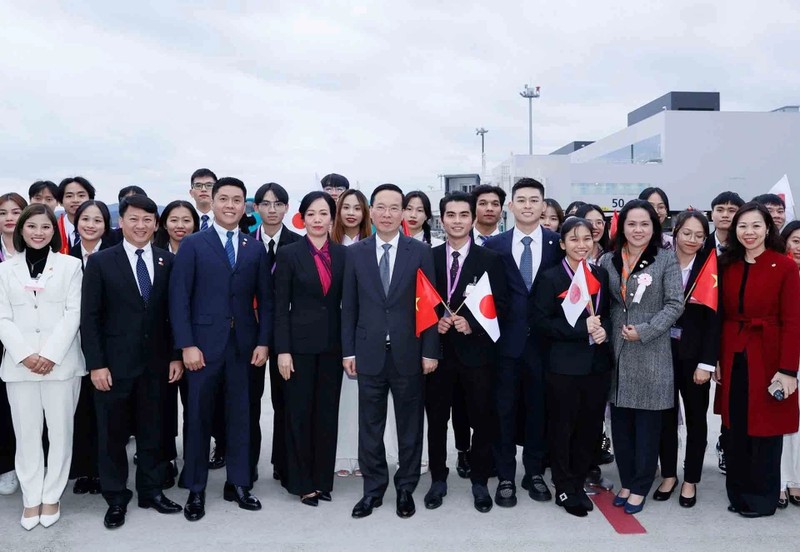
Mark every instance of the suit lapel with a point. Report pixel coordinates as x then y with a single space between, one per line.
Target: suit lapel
469 273
124 266
310 267
337 264
216 245
159 272
400 262
244 244
371 262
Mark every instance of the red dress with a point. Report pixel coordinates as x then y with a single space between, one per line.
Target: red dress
765 324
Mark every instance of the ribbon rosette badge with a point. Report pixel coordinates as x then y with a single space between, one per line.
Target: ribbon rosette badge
644 280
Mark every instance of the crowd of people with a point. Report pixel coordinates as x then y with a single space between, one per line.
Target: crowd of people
105 329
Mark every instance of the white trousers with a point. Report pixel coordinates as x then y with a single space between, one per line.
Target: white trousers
31 403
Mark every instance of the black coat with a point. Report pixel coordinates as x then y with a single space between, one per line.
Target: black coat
701 327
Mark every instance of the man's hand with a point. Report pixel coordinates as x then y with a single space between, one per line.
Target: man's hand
445 323
101 379
349 365
193 358
260 355
285 365
175 371
701 376
429 365
461 325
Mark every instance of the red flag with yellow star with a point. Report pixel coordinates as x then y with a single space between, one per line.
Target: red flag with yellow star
427 301
706 287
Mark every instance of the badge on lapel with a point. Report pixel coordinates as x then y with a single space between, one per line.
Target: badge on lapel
244 242
160 261
644 280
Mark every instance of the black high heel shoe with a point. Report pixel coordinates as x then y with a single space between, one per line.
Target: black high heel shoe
688 502
663 496
310 500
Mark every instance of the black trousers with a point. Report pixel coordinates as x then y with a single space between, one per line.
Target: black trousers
84 440
131 402
636 435
7 441
461 428
257 383
278 456
312 420
753 480
695 402
476 385
408 396
575 407
169 419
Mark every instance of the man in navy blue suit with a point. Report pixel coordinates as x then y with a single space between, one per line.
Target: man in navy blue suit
380 346
528 249
215 277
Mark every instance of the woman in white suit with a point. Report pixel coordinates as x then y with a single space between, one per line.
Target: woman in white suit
40 297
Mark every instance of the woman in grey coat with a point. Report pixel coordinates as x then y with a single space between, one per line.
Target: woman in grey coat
646 300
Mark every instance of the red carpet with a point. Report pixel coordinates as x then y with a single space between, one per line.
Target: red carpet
622 523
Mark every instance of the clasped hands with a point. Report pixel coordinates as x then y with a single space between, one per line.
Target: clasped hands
38 364
595 329
455 321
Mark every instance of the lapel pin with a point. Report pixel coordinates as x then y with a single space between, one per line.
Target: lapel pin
550 242
160 261
774 265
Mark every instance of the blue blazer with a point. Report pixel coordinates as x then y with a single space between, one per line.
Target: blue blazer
369 314
515 328
208 297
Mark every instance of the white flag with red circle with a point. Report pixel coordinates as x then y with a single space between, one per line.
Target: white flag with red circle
577 297
480 303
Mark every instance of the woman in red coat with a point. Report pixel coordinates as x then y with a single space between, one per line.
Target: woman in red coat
760 305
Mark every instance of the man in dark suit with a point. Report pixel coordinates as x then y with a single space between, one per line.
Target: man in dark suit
469 354
272 202
379 344
216 275
127 342
527 249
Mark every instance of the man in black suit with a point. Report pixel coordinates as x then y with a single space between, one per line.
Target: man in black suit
527 250
379 345
272 202
469 354
126 339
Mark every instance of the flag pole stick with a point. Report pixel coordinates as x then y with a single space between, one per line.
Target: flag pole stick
447 307
691 290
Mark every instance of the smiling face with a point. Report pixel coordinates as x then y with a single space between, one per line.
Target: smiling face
228 206
138 226
577 244
638 228
74 196
598 223
317 218
91 225
793 246
457 220
658 204
179 223
9 214
351 212
415 215
751 231
690 237
527 205
38 231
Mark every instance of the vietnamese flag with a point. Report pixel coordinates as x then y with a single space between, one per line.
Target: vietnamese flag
427 301
612 232
706 288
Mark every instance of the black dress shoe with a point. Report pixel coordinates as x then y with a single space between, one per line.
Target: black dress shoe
195 507
310 500
405 504
325 496
585 501
572 504
663 496
82 485
115 517
688 502
483 500
462 465
733 509
160 504
750 514
240 495
506 494
537 488
433 498
217 460
365 506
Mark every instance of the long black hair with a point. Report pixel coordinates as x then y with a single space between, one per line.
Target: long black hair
102 207
621 240
161 238
587 208
736 249
426 205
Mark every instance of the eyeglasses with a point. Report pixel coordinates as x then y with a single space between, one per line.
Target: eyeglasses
337 189
202 185
394 209
277 205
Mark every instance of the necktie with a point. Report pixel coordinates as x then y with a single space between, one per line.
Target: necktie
526 262
454 269
145 286
482 239
77 238
229 248
270 253
204 224
384 268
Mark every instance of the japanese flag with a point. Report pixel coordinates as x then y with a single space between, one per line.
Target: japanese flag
577 296
480 303
783 190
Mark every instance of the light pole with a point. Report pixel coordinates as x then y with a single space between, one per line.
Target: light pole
481 132
530 93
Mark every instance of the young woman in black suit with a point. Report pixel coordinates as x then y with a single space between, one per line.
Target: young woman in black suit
308 296
695 345
577 364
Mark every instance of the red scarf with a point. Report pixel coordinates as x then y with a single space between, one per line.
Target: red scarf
322 258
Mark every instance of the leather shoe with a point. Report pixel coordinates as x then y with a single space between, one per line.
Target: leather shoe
433 499
82 485
537 488
310 500
240 495
635 509
365 506
506 494
483 500
663 496
405 504
750 514
585 501
115 517
325 496
572 504
195 507
462 465
160 504
217 460
688 501
619 501
94 485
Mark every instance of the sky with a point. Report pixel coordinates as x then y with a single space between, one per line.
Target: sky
145 92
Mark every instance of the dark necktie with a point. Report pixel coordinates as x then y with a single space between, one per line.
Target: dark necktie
386 277
526 262
229 248
204 223
145 286
77 238
454 270
270 253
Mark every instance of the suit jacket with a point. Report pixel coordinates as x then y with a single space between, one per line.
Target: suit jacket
119 331
306 320
515 329
45 322
700 325
208 298
75 250
569 350
369 314
476 349
287 237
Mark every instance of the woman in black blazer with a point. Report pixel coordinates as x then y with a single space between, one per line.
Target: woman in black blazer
695 345
577 364
308 296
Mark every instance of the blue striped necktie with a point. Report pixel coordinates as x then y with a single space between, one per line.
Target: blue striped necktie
229 248
145 286
204 224
526 262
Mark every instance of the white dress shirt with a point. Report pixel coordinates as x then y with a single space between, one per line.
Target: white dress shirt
85 254
347 240
200 214
133 259
480 239
6 253
718 243
392 251
223 236
266 238
463 251
69 228
420 236
517 247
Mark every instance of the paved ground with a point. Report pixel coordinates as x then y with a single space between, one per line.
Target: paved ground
285 524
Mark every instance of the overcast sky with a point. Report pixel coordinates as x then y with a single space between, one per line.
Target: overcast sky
378 91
